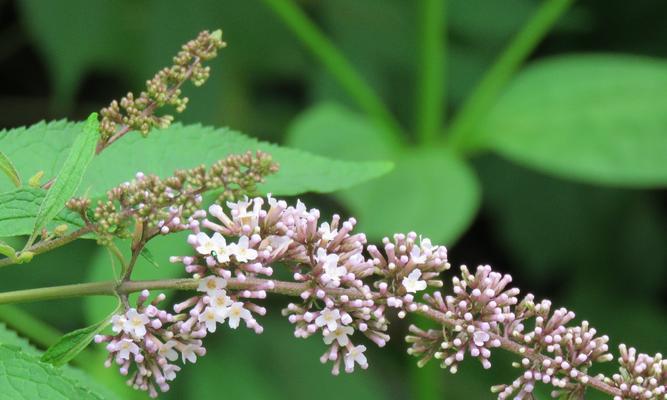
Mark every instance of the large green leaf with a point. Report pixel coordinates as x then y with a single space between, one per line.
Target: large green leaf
22 376
70 175
597 118
19 210
430 191
40 147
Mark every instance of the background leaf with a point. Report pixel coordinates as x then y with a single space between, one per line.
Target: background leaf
19 210
24 377
70 175
7 167
597 118
430 191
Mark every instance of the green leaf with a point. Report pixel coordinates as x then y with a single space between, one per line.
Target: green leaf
430 191
595 118
19 210
8 168
24 377
70 175
73 343
7 250
39 146
148 256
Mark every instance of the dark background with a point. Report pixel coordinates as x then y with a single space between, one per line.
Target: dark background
599 251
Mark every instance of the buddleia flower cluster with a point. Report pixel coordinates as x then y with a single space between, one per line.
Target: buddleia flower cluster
347 291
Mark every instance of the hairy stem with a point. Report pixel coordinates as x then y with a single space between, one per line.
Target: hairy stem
336 63
489 87
112 288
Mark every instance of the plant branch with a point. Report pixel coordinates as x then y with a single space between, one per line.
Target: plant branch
112 288
431 96
43 247
336 63
495 79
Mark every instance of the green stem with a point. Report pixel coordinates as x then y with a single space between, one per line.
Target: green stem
336 63
43 247
431 96
495 79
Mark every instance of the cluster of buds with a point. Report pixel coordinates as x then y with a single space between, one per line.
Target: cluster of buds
640 376
138 112
167 205
346 287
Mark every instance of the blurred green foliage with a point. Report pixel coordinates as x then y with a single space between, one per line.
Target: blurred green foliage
596 245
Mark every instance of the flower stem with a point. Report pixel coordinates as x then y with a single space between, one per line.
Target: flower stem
112 288
489 87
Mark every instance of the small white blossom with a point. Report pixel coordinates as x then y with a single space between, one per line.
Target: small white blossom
210 317
167 351
412 283
241 250
417 256
136 323
169 371
355 354
480 338
332 272
125 348
215 246
328 318
327 233
235 313
188 353
118 323
211 285
219 300
339 334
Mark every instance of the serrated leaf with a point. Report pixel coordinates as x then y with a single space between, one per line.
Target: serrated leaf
24 377
19 210
596 118
71 173
72 343
39 146
7 167
431 191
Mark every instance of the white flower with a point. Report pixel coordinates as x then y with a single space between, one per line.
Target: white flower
327 233
332 272
417 256
118 323
355 354
219 300
188 353
279 243
235 313
210 317
480 338
328 318
412 283
167 351
169 371
241 250
215 246
136 323
125 348
339 334
211 285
